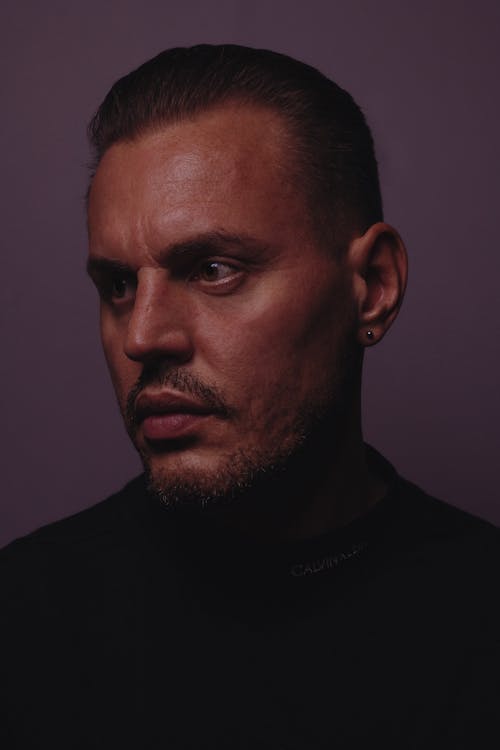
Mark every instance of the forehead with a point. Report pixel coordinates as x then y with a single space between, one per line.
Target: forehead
230 165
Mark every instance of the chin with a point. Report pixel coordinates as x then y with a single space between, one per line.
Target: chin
198 487
185 478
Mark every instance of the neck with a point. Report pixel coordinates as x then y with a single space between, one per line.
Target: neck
326 487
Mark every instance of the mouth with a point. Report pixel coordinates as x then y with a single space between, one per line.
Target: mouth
169 416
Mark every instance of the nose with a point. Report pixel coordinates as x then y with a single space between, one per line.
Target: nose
158 327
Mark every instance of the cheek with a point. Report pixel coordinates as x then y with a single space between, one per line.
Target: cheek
123 371
281 350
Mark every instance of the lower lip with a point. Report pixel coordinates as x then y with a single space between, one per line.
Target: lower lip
170 426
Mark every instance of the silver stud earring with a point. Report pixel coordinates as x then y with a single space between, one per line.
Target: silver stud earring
369 334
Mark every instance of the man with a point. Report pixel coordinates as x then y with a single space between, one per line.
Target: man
270 582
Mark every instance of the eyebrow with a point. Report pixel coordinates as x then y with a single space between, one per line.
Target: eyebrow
202 244
96 266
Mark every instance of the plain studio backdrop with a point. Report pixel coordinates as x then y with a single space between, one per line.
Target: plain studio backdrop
426 75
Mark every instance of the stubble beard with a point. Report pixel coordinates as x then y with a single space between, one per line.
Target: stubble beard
282 462
240 474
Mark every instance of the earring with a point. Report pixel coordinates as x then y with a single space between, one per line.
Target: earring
369 334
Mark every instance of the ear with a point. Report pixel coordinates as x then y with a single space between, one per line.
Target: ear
379 265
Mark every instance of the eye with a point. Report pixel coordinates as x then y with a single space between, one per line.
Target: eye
117 287
214 271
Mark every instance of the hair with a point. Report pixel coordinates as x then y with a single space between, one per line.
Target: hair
333 147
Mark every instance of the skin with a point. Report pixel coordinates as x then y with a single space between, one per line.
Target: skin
211 276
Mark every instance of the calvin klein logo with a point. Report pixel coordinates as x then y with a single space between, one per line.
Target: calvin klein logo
325 563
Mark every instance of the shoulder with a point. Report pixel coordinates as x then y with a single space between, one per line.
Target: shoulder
444 556
438 523
428 527
61 547
91 522
432 549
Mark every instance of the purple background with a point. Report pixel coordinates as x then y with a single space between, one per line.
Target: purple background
426 75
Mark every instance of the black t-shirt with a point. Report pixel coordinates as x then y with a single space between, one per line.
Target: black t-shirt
128 626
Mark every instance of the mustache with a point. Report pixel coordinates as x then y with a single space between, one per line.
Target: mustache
177 380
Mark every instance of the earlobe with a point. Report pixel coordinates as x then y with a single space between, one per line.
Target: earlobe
380 266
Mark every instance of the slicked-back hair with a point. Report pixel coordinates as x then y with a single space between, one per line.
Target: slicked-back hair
333 156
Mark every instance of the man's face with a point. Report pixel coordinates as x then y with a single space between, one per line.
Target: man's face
225 325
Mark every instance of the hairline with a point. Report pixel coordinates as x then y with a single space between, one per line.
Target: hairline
293 163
